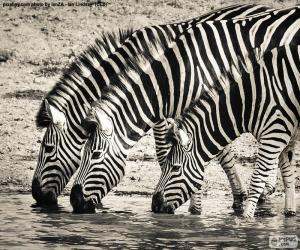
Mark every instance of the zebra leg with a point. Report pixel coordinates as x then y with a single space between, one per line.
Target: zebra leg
162 146
196 202
227 161
270 185
285 161
267 160
288 171
258 181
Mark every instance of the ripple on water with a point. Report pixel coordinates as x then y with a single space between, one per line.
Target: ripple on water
127 222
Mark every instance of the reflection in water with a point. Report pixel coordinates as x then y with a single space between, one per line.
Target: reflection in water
127 222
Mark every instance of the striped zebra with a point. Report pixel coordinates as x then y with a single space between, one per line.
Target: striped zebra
150 90
63 109
262 98
227 161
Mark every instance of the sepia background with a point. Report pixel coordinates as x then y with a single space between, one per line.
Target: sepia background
35 46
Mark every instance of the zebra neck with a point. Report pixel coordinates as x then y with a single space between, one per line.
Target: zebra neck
222 113
126 127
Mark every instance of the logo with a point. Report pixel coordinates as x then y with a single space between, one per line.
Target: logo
283 241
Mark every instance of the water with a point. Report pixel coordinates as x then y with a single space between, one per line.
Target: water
127 222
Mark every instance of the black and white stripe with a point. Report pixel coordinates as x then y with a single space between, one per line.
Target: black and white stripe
262 98
164 82
63 109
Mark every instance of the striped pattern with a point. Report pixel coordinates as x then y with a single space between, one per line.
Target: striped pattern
83 83
226 159
150 90
263 99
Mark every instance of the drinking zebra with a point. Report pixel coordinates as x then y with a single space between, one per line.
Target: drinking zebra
150 90
262 98
63 108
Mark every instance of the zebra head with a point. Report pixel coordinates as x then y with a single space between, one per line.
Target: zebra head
180 175
56 163
102 164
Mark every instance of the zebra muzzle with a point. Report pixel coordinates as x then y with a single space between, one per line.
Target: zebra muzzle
47 198
78 202
159 204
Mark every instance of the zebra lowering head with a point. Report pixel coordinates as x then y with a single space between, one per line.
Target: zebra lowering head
62 111
51 174
102 162
169 196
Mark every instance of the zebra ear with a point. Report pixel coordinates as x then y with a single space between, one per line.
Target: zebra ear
58 118
86 108
181 136
170 123
90 123
104 122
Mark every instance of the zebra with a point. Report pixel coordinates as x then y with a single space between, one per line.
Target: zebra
150 90
227 161
63 108
262 98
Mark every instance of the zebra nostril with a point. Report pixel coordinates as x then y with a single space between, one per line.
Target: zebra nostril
36 190
48 198
169 210
78 202
157 202
76 197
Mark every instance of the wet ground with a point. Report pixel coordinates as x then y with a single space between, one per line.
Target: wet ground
127 222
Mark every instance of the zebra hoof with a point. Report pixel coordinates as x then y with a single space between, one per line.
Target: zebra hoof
248 217
238 200
237 205
289 213
266 196
195 211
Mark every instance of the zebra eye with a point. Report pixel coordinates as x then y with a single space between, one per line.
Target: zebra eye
176 168
96 155
49 148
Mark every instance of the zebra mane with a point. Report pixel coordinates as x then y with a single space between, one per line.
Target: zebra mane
136 65
93 55
237 71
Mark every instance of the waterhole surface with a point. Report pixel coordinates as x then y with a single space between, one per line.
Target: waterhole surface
126 222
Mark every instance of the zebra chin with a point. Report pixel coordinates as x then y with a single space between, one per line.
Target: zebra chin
42 198
159 205
79 203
